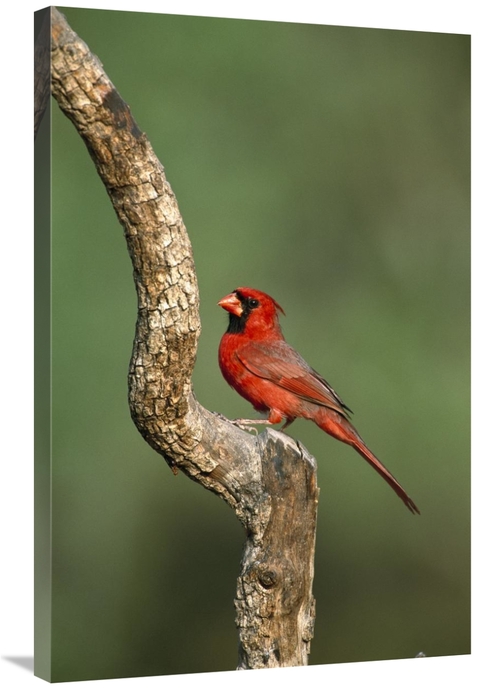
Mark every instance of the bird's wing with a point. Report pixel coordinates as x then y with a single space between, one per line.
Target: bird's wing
278 362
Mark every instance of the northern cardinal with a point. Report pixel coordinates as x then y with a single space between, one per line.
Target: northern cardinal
264 369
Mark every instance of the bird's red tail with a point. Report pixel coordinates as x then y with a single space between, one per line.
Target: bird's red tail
360 447
344 431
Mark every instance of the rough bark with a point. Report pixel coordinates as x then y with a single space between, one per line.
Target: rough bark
269 480
275 608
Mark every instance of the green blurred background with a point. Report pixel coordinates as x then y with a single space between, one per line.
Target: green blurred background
328 166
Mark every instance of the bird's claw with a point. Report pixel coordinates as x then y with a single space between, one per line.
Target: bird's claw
242 424
251 429
245 425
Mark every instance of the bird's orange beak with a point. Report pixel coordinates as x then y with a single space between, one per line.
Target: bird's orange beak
232 304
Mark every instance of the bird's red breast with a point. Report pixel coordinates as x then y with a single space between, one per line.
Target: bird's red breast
256 360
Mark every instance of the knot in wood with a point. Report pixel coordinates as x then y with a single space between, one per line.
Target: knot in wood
267 576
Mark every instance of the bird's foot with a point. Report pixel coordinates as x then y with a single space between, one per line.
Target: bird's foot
244 424
249 424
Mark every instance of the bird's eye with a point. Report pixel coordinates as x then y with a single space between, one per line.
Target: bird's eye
253 303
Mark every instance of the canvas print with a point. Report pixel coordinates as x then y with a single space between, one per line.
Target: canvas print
220 486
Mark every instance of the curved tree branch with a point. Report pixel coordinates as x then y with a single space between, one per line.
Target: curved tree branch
266 479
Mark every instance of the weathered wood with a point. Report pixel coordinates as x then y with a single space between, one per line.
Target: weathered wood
269 481
275 606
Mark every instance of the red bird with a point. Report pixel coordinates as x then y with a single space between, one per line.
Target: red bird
264 369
